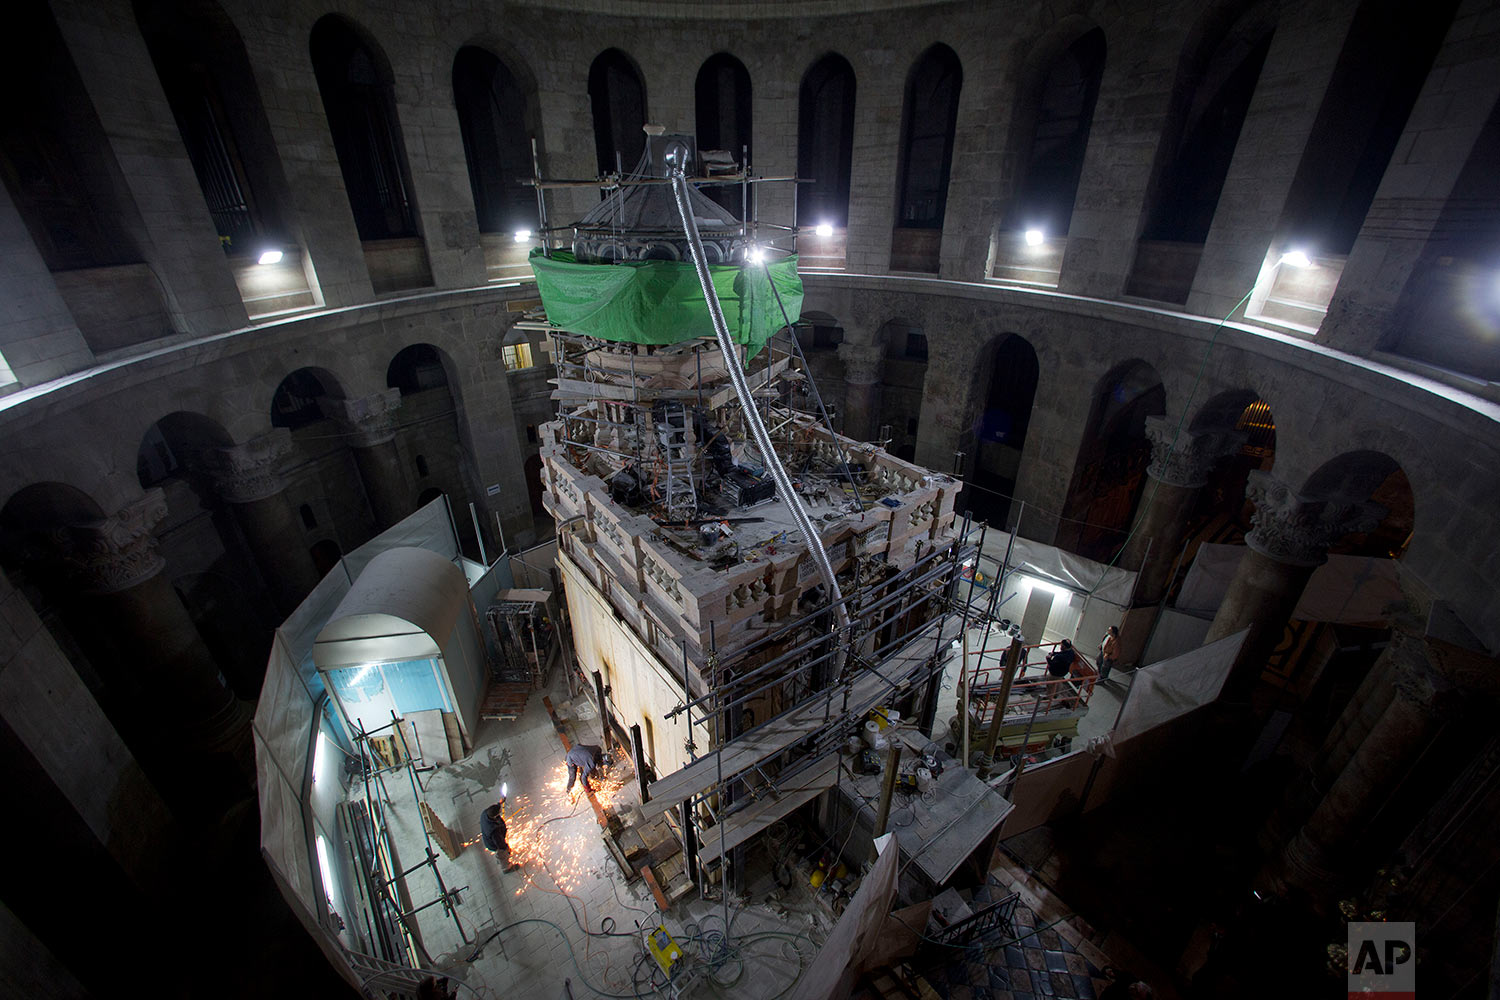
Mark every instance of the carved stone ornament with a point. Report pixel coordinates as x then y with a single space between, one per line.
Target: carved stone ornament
1297 530
1185 458
118 552
251 471
1419 676
367 421
862 362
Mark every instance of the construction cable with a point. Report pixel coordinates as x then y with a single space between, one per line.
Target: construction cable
751 414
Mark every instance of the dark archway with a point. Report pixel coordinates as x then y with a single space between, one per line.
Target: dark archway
825 142
722 114
497 123
206 76
617 96
1110 472
534 487
1373 476
928 122
1215 83
294 405
1061 112
903 377
1012 371
325 555
416 369
357 86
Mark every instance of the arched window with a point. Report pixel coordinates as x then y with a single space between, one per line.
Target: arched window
206 77
1064 110
1386 58
618 98
930 116
723 117
825 142
53 152
355 81
492 115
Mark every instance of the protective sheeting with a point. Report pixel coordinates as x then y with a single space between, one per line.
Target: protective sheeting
403 606
286 717
1344 589
1163 691
855 937
1048 791
1048 562
661 302
1175 632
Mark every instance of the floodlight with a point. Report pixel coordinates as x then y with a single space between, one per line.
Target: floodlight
1034 237
1296 258
270 257
522 235
824 229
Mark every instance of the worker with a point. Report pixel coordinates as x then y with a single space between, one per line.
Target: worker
1060 660
1109 652
584 758
492 833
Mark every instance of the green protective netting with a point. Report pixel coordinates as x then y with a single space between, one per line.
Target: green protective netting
661 302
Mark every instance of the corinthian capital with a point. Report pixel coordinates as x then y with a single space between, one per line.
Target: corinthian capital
1185 458
367 421
862 362
118 552
1296 529
251 471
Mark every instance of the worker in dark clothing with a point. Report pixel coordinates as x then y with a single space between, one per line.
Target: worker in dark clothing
585 759
1060 660
492 833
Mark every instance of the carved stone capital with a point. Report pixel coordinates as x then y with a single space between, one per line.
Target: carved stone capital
1419 677
1296 529
862 362
1185 458
367 421
251 471
118 552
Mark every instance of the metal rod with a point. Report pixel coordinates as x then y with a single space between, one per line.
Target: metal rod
474 516
603 711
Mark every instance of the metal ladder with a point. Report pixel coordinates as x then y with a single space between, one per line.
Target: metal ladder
675 434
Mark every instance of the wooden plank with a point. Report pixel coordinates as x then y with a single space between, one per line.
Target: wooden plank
661 897
439 831
753 819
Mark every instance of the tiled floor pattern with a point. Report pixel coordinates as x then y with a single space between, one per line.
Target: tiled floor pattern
1034 965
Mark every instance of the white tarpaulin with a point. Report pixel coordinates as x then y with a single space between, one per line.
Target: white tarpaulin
1084 576
1344 589
1165 690
835 970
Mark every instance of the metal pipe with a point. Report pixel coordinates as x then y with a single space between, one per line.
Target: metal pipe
484 556
747 402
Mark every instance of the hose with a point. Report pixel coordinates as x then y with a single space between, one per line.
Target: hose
752 415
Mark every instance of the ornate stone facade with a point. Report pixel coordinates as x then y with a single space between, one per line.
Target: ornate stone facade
1185 458
251 471
118 552
1296 529
367 421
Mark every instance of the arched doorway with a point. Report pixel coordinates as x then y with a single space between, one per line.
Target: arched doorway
999 430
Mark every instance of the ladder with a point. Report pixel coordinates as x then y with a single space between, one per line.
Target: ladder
675 434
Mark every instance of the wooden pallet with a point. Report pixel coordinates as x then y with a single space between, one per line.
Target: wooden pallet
504 701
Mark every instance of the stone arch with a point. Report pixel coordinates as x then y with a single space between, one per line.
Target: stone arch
1109 474
497 117
294 404
723 119
206 75
1004 390
617 98
1240 412
1375 477
1217 75
903 375
358 91
819 335
825 141
171 446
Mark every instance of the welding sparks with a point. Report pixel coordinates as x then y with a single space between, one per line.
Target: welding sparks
540 836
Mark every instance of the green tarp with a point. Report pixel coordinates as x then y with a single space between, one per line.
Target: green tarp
661 302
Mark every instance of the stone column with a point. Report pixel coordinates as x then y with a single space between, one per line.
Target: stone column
862 371
369 424
1290 539
1312 860
248 478
131 601
1180 464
